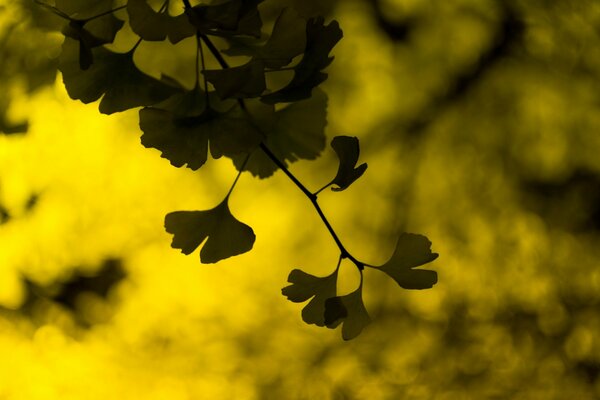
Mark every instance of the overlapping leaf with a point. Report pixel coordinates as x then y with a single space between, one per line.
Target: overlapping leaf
411 251
296 132
230 18
247 80
225 236
320 40
347 150
83 26
306 286
348 310
183 126
112 76
157 26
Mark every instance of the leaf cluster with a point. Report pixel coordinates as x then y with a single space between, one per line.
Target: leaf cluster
233 111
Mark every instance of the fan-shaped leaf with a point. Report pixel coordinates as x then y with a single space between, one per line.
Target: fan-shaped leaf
320 39
156 26
349 310
306 286
287 40
182 127
297 132
225 236
347 150
113 75
411 251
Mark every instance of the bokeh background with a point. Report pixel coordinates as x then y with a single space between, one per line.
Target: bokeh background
479 121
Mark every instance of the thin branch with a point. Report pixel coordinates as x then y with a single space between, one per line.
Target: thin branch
312 197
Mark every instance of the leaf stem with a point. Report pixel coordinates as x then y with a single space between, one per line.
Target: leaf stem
312 197
238 176
323 188
104 13
201 47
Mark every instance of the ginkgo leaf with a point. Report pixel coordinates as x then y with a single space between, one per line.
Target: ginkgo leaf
347 150
225 236
320 39
287 40
245 81
306 286
183 126
156 26
411 251
233 17
112 76
348 310
297 132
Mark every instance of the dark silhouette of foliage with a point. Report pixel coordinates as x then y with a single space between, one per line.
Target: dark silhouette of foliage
232 112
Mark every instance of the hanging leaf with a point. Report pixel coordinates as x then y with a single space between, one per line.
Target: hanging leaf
112 76
347 150
287 40
297 132
234 17
349 310
225 236
306 286
411 251
320 40
157 26
182 127
245 81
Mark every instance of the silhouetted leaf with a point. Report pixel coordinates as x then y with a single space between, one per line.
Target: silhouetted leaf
113 75
225 236
83 9
233 17
156 26
305 286
182 127
287 40
297 132
320 39
346 147
411 251
247 80
349 310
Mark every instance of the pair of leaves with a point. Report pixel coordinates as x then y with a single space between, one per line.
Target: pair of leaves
291 36
327 309
225 236
112 76
182 128
324 307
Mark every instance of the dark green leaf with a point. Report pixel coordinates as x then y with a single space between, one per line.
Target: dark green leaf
297 132
346 147
225 236
349 310
411 251
182 127
305 286
156 26
320 39
113 75
287 40
247 80
234 17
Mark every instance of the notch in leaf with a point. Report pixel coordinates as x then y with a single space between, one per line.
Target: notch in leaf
411 251
225 236
306 286
348 310
347 150
320 40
